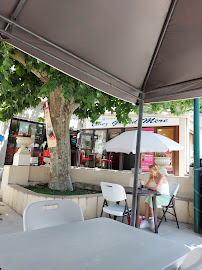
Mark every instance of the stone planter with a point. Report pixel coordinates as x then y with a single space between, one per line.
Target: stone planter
24 142
162 161
22 157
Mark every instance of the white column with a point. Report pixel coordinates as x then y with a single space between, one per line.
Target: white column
183 142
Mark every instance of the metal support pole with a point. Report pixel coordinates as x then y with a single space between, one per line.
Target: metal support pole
137 160
196 165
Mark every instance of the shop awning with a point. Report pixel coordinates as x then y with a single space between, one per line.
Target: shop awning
123 48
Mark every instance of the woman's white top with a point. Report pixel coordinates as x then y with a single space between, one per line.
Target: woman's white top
164 189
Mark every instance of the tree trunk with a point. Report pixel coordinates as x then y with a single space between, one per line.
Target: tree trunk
60 156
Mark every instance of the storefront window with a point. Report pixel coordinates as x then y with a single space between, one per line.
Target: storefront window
34 129
100 139
86 141
11 146
113 133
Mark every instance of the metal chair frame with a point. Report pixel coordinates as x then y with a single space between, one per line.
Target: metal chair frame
126 212
171 205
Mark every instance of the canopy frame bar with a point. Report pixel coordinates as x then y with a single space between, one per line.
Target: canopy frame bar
176 93
159 42
68 53
15 14
66 63
185 83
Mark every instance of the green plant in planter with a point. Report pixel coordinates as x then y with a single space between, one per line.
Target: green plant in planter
161 155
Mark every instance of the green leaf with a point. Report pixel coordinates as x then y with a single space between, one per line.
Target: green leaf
41 119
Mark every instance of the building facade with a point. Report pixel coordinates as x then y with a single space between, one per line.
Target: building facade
95 135
177 128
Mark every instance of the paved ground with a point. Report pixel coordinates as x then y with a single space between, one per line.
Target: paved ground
11 222
185 235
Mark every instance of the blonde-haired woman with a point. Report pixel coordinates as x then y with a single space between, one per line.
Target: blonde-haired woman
158 182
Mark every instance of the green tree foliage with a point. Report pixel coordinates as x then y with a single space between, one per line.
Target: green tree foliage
23 80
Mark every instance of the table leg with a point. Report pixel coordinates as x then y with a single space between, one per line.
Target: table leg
94 161
137 212
155 214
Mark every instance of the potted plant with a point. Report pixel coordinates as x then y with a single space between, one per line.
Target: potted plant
162 160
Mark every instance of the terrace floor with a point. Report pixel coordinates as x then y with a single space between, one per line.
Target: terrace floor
11 222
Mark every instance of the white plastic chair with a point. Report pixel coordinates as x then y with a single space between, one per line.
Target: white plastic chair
193 260
114 193
173 188
51 213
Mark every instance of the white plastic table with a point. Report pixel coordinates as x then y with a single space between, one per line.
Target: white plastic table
95 244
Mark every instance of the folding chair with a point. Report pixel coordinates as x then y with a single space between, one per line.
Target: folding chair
173 188
51 213
114 193
107 160
84 159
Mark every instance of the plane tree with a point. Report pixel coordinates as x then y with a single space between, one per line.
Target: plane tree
24 81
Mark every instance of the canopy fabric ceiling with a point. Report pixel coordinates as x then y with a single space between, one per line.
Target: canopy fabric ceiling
123 48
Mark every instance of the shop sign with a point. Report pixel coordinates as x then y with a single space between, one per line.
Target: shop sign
147 159
112 122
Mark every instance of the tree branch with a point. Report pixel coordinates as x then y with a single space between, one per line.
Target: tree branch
20 57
